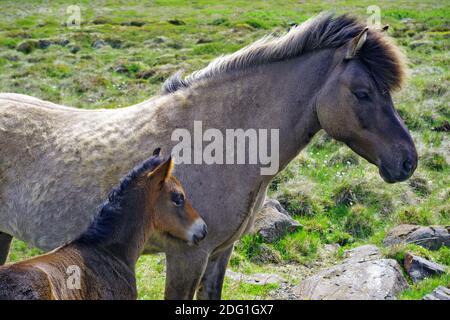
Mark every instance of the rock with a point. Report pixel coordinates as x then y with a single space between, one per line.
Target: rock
420 43
283 292
136 23
432 237
407 20
203 40
160 39
101 20
27 46
75 49
44 44
115 43
121 68
440 293
145 74
98 44
133 23
271 224
257 278
276 205
176 22
12 58
62 42
331 248
361 254
328 253
445 127
419 268
266 255
427 70
367 280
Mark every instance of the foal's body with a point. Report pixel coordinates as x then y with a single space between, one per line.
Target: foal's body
47 277
100 264
283 89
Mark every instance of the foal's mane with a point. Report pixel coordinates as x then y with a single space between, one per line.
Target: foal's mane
112 210
379 54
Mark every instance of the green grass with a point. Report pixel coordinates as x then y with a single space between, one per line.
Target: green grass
424 287
337 196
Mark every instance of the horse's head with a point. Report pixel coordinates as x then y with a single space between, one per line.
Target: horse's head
172 214
355 105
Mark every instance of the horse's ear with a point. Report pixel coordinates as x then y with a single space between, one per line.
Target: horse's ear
385 28
162 172
356 43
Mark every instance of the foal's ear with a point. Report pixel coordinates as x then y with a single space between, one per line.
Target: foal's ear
162 172
385 28
356 43
157 151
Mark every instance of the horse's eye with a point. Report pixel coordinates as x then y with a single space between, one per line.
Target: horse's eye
362 95
177 199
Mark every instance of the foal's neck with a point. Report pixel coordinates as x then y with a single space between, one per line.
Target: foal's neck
126 239
130 237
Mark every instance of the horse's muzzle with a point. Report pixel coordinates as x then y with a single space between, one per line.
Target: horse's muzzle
405 169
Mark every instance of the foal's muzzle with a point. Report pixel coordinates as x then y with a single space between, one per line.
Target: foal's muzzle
197 232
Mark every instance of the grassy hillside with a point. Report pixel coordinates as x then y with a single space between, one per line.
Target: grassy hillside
124 50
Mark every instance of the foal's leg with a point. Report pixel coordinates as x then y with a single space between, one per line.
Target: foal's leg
5 243
184 270
211 284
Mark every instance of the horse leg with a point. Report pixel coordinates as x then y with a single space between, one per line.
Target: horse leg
5 243
211 284
183 273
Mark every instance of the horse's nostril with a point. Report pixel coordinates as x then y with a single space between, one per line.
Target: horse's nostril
407 165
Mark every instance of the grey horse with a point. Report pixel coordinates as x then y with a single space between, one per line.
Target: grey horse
57 163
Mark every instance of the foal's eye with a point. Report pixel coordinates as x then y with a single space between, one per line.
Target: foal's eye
361 95
177 199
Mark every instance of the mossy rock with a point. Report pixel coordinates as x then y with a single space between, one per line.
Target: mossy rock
27 46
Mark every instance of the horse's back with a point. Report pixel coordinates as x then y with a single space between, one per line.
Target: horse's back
18 98
18 282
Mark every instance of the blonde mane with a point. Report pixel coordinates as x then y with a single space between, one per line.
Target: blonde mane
380 55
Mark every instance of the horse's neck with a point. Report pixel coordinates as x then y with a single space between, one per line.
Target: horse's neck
273 96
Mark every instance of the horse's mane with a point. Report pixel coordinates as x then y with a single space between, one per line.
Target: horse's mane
383 59
112 210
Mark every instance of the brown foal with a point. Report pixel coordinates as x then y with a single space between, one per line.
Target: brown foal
100 264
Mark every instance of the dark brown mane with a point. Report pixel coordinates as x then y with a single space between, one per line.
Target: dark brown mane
383 59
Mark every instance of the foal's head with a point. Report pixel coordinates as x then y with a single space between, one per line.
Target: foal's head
149 197
355 105
171 212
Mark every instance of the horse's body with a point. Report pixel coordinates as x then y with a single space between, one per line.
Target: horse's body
100 263
57 163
